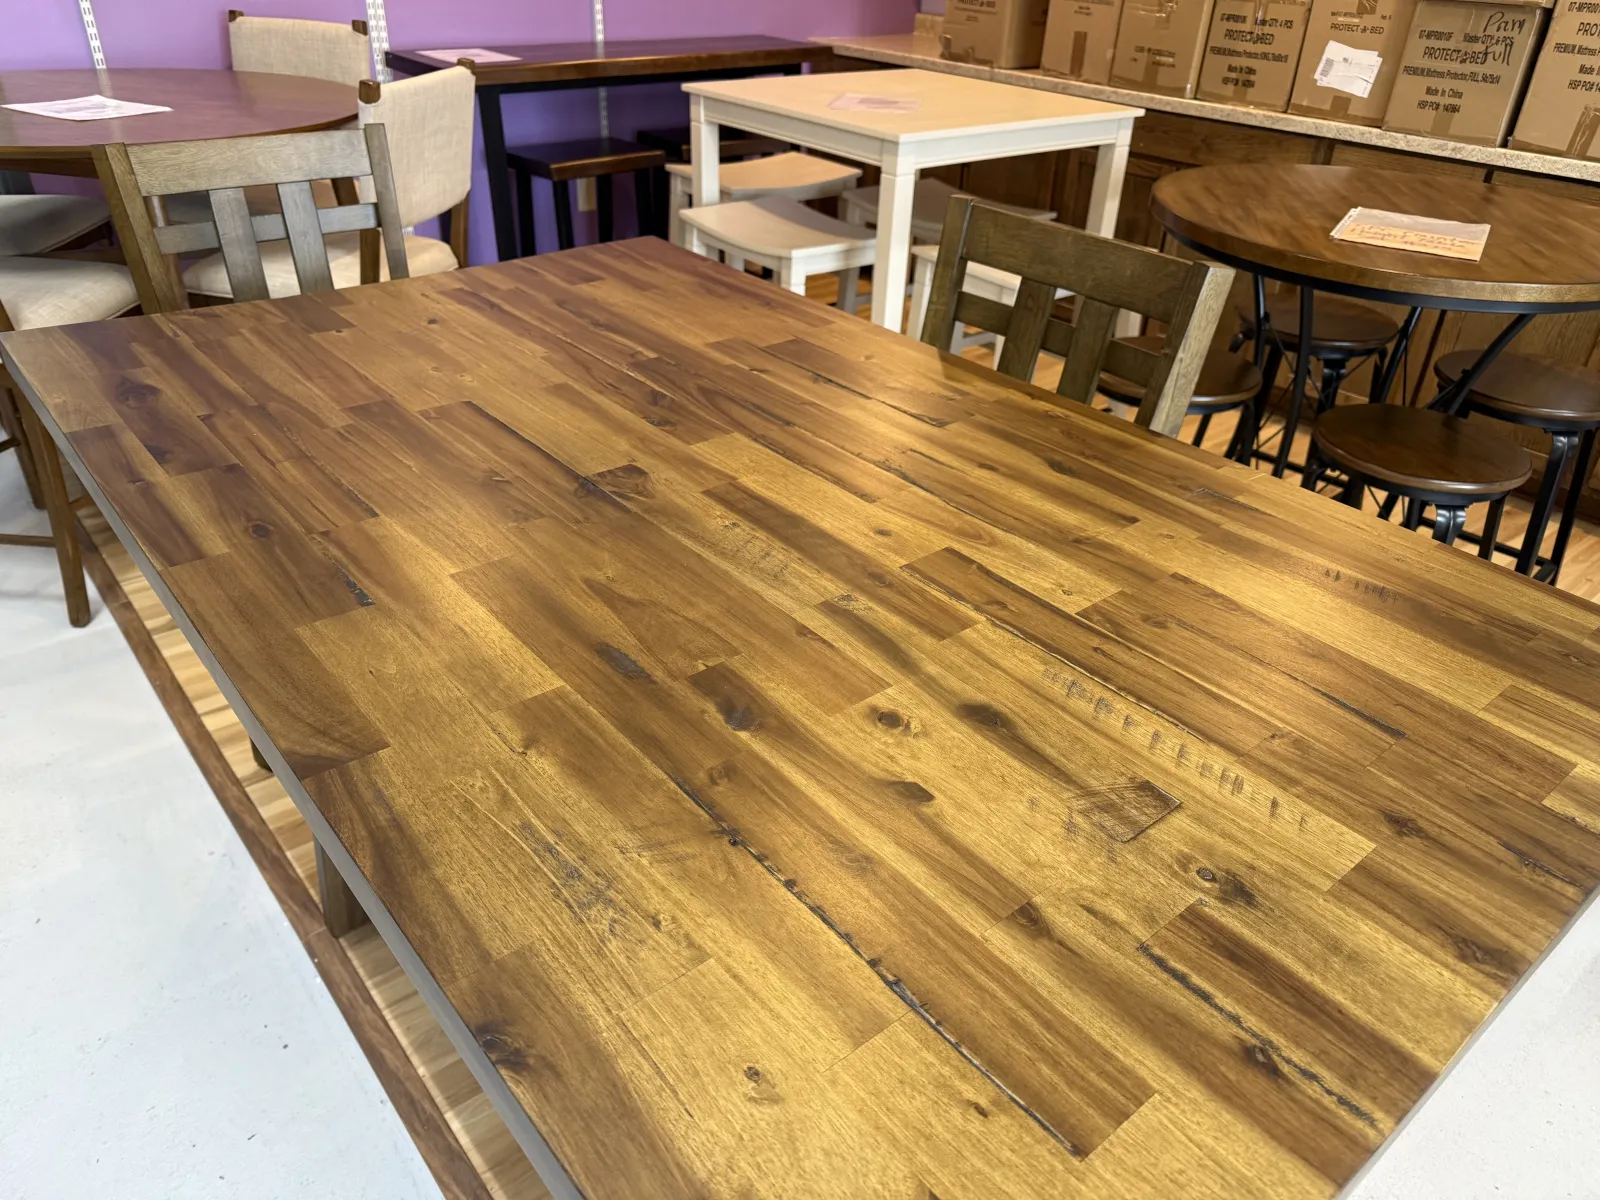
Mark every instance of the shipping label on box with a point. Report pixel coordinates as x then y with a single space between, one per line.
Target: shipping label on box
1159 44
1080 38
997 33
1351 59
1561 112
1463 69
1252 51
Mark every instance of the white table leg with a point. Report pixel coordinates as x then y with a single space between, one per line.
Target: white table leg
705 155
896 190
1105 200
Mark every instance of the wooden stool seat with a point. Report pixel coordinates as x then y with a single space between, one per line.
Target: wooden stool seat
792 174
1422 450
1347 328
736 143
781 234
586 158
1527 389
1226 381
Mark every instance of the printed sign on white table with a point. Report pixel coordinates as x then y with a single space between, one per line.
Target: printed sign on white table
87 108
1347 69
861 102
478 56
1406 231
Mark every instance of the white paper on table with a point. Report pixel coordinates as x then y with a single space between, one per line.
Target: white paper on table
87 108
860 102
1346 69
478 56
1406 231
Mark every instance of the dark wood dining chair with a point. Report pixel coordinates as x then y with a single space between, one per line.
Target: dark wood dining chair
223 168
1108 277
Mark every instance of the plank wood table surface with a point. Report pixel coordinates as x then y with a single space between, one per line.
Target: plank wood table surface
794 762
560 66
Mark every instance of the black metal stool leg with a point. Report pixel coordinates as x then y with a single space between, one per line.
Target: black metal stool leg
644 208
661 198
1244 438
562 191
1569 510
1332 380
1491 529
1447 523
1205 424
1561 446
606 201
1297 388
1354 490
1413 513
528 244
1312 475
1386 506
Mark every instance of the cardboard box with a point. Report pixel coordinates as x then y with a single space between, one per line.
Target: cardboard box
1252 52
1462 70
1080 39
1371 26
997 33
1159 45
1561 112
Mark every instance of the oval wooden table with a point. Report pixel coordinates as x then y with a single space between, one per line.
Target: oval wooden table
205 104
1275 220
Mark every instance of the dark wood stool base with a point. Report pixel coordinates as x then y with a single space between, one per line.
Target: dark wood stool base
600 159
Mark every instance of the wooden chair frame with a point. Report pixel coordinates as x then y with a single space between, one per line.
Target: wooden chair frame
453 221
1108 277
137 177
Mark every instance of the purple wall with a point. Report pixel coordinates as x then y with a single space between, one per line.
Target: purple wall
42 34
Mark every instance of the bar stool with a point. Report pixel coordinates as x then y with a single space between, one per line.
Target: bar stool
1423 457
1344 332
780 233
1227 381
792 174
590 158
929 201
1563 401
674 143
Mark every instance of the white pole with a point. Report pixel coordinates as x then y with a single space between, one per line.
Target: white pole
599 48
378 34
92 32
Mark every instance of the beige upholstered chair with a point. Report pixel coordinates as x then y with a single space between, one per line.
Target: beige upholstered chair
428 121
254 252
314 49
34 224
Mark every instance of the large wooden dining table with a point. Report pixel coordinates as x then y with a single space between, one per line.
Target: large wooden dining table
792 761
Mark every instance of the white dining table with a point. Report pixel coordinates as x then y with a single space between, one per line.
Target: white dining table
903 122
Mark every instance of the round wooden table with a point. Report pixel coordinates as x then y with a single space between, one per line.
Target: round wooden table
1275 220
205 104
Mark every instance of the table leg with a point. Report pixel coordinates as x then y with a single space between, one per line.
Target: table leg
63 525
1297 389
341 911
494 158
1105 201
1453 398
896 191
705 156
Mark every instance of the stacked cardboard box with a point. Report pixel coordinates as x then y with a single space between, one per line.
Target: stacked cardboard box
1463 68
997 33
1561 112
1351 59
1159 45
1081 37
1252 52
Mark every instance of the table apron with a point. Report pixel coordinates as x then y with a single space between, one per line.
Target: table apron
940 151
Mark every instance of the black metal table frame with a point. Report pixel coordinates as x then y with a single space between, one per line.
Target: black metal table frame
492 117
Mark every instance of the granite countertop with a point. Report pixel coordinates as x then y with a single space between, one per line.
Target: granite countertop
921 49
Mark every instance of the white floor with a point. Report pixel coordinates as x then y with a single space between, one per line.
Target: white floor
162 1033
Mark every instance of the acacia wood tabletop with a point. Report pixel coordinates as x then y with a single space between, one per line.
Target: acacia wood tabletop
811 765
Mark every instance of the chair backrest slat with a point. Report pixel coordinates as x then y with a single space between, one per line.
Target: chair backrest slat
1107 277
224 168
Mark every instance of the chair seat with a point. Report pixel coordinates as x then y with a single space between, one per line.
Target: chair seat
928 204
424 256
798 176
1422 450
1342 327
42 292
736 143
1525 387
586 158
776 227
33 224
1226 380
